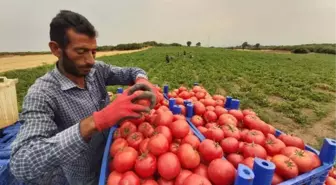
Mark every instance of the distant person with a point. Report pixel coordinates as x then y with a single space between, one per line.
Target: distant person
66 113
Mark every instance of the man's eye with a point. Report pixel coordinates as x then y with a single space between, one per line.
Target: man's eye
80 51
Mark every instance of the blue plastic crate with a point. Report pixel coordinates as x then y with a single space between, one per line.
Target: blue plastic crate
314 177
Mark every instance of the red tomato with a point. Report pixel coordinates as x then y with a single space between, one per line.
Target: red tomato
201 170
211 124
193 99
238 114
184 174
165 131
195 179
188 157
158 144
114 178
264 128
145 165
332 172
211 108
196 88
129 178
249 112
163 118
199 108
178 116
117 134
230 145
142 118
125 159
146 129
182 88
221 172
210 150
117 145
226 119
209 102
292 141
251 121
210 116
277 179
219 110
192 140
169 166
179 101
127 128
285 167
271 129
249 162
183 110
149 182
135 139
197 120
254 150
235 159
243 133
220 103
214 133
184 95
218 97
200 95
273 145
330 181
143 146
174 147
255 136
202 129
241 145
179 128
289 150
163 181
303 160
231 131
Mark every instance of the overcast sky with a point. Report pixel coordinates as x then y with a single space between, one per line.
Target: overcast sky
24 24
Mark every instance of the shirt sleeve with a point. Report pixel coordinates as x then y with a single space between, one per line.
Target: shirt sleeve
115 75
39 148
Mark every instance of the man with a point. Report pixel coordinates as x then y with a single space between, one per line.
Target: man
67 112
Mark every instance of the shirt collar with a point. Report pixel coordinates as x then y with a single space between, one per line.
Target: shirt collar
66 83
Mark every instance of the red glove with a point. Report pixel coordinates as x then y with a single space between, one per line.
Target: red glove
153 88
124 107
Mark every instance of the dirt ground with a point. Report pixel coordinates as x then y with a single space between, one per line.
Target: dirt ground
8 63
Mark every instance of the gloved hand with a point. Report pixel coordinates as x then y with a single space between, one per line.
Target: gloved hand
146 82
124 107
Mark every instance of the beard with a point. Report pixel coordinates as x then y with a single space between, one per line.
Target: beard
70 66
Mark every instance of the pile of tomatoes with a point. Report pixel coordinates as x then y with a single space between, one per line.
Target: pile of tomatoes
331 178
242 135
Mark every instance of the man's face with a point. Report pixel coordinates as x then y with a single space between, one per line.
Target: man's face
79 55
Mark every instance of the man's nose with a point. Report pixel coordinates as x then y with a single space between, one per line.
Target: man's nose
90 58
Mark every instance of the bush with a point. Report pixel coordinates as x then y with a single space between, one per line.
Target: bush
301 50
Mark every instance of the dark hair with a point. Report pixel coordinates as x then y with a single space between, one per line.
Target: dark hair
65 20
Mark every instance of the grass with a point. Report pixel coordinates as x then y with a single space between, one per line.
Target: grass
295 82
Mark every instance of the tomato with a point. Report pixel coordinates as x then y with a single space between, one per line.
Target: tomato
117 134
210 150
178 116
277 179
199 108
210 116
238 114
127 128
179 101
145 165
195 179
149 182
188 157
218 97
230 145
264 128
292 141
179 128
211 124
193 99
158 144
235 159
271 129
231 131
202 129
114 178
251 121
211 108
143 146
182 88
268 158
192 140
183 110
273 145
164 118
146 129
255 136
196 88
285 167
135 139
221 172
117 145
163 181
219 110
200 95
254 150
174 147
243 133
209 102
289 150
330 181
332 172
184 174
184 95
214 133
165 131
241 145
225 119
125 159
201 170
129 178
303 160
249 162
169 166
248 112
220 103
197 120
142 118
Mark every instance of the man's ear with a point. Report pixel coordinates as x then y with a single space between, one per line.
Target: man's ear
55 49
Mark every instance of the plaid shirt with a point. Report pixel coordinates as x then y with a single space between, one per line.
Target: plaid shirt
49 148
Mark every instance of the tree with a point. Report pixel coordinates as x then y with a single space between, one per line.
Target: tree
244 45
257 46
198 44
189 43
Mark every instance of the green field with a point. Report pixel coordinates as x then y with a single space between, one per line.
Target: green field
291 91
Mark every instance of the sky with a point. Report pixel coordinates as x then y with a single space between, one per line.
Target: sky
24 24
